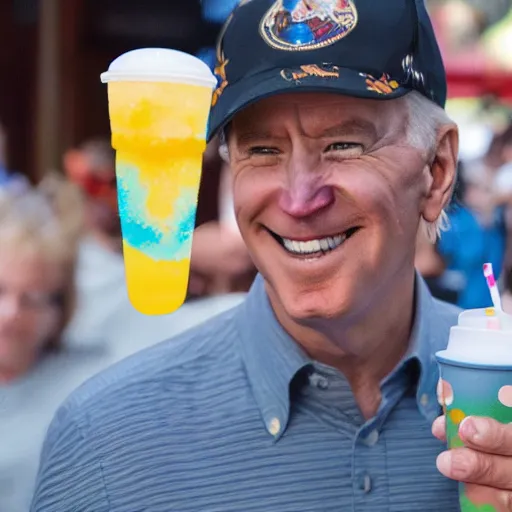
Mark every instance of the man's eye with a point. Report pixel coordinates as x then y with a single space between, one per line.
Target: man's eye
263 150
342 146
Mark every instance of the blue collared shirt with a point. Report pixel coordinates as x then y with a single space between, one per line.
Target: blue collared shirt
233 416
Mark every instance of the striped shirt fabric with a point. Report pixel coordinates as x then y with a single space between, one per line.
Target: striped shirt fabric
232 416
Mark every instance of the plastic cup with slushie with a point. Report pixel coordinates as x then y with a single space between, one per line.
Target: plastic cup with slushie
159 104
476 380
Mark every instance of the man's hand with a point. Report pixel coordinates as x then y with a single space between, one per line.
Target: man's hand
485 462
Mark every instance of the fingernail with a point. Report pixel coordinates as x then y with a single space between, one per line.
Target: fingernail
473 429
444 463
455 464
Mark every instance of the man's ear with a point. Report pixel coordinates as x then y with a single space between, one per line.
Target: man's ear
443 173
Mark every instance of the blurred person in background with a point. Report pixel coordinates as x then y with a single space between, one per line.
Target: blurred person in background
104 312
100 279
221 270
91 166
219 257
475 234
499 160
39 231
431 266
220 262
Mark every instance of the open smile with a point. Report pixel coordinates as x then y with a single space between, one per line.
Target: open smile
314 248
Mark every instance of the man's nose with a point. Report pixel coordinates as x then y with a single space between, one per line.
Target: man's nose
305 196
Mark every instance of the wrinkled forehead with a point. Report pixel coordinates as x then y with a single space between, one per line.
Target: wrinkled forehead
314 114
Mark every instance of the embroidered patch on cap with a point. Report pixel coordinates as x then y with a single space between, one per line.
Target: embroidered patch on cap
327 71
300 25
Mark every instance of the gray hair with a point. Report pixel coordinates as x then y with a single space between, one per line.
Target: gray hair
425 118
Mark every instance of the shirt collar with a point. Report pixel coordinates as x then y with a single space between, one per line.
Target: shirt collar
423 347
273 359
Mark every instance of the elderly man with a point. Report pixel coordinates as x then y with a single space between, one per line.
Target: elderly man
318 393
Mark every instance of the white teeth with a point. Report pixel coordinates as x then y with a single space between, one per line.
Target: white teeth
288 245
325 245
314 246
339 239
310 247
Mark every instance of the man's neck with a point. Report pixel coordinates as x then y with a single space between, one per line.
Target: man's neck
365 349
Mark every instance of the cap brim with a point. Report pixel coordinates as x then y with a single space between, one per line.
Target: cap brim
329 79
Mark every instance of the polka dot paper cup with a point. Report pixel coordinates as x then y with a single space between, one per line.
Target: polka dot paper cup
475 380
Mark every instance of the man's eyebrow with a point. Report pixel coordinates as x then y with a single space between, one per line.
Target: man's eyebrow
351 127
248 137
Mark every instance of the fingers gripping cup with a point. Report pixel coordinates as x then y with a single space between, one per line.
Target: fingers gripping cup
476 380
159 103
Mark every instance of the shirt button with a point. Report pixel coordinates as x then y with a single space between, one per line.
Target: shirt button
274 426
319 381
372 439
365 483
424 400
322 383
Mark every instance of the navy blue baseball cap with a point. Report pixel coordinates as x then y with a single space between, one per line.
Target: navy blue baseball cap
360 48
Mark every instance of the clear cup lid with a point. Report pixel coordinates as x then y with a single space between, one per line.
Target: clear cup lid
159 64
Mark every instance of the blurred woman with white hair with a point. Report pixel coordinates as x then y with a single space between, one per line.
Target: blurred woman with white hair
39 230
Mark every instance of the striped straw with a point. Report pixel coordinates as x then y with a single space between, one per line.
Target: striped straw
496 299
493 288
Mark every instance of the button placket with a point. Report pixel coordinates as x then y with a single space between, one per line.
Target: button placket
274 427
372 439
369 482
319 381
365 483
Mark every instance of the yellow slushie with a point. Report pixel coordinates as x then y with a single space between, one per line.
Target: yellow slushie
159 103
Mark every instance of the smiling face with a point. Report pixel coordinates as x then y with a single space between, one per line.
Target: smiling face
328 196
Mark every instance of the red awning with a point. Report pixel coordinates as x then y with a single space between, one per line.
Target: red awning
474 83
